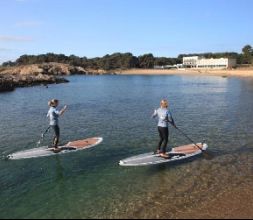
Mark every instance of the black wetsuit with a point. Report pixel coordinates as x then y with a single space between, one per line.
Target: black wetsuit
56 139
164 138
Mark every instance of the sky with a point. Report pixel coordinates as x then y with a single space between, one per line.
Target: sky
94 28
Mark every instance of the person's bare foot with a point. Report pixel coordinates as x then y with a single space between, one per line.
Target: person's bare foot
157 152
165 156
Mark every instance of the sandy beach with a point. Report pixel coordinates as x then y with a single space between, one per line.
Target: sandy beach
240 72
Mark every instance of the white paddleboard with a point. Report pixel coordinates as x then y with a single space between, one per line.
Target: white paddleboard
46 152
176 154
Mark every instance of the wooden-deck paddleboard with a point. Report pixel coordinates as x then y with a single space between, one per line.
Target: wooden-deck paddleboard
176 154
46 152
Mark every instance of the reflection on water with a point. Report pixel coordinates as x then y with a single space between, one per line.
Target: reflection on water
90 184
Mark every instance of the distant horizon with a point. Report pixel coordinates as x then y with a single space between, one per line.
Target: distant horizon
99 27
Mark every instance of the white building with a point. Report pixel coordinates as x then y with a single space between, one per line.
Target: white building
190 61
196 62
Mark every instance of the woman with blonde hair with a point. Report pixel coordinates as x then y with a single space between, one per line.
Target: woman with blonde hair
53 115
164 118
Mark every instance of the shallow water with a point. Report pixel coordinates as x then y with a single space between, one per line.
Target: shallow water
90 184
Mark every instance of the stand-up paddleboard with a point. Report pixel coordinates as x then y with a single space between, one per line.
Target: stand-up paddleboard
176 154
46 152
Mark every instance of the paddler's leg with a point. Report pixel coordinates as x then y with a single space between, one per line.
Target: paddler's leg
56 137
160 141
165 134
166 140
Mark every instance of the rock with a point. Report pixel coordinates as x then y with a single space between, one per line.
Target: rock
6 84
10 82
36 74
56 69
41 79
78 70
31 70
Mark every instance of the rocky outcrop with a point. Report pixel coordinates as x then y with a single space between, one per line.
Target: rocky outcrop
25 76
36 74
30 80
56 69
10 82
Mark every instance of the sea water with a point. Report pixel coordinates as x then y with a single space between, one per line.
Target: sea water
91 184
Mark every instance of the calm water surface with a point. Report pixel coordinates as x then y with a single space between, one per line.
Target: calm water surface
90 184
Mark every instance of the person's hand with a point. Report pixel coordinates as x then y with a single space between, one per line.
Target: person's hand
63 110
154 114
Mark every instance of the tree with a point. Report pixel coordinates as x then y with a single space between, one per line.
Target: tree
247 54
147 61
8 64
126 60
74 60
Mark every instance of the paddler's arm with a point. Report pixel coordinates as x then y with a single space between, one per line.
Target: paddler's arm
63 110
154 114
171 120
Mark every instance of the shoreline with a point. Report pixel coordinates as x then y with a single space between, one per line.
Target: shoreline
50 73
244 72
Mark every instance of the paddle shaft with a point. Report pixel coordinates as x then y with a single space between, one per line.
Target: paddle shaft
46 131
188 137
42 136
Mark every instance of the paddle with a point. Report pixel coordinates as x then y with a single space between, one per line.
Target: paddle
174 125
208 156
42 136
188 137
38 143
